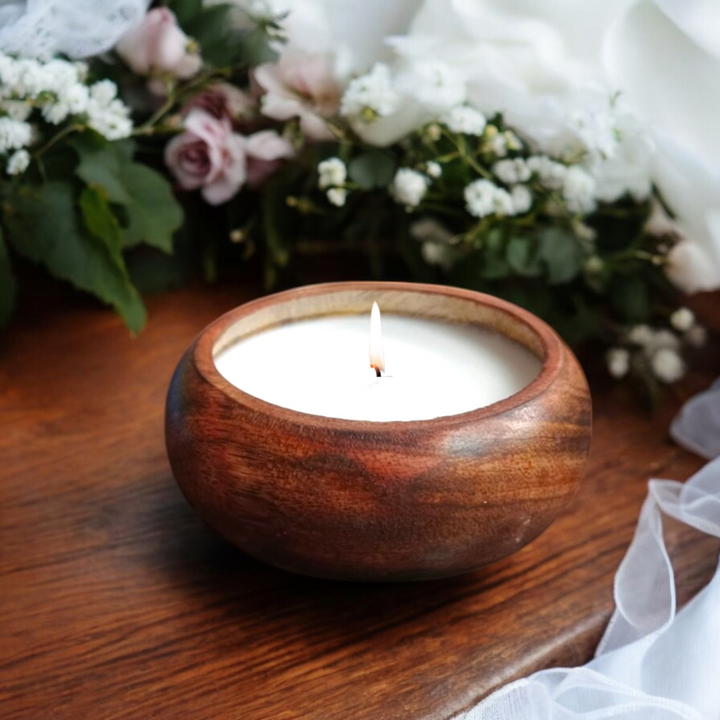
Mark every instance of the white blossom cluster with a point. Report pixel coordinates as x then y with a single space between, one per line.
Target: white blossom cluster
371 95
332 174
409 187
466 120
57 90
483 198
659 348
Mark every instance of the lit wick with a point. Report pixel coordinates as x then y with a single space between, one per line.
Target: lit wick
377 356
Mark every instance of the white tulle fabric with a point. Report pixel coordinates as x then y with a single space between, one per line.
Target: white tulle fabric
652 663
76 28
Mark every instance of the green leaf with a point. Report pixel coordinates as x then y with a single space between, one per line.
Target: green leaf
102 164
153 213
100 221
562 254
373 169
254 47
186 10
522 257
7 285
42 226
493 266
213 30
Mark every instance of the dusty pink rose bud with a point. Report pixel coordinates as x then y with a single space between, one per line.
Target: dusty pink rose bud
158 45
208 155
265 152
223 101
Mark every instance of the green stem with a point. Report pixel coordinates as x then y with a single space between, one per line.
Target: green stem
68 130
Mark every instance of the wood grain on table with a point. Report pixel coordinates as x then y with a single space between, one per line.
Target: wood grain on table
117 602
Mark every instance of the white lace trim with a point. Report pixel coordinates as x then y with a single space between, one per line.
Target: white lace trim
76 28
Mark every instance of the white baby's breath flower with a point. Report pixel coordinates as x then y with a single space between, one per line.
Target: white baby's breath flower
9 72
103 92
111 121
409 187
496 142
55 113
76 98
618 362
373 91
696 336
465 120
550 173
479 198
337 196
18 162
662 340
59 76
16 109
521 199
83 69
429 230
332 172
682 319
641 335
437 254
596 130
503 202
512 171
483 198
14 134
512 141
433 169
579 190
667 365
435 85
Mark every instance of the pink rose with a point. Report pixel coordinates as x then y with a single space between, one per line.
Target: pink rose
223 101
158 45
265 152
208 155
302 86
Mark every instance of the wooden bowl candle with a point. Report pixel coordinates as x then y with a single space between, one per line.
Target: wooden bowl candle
441 466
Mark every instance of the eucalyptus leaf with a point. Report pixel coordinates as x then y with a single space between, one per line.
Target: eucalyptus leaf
7 284
562 254
522 257
42 226
374 169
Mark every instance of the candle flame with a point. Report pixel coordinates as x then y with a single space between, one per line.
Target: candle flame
377 356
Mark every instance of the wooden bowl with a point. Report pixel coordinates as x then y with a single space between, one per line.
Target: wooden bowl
380 501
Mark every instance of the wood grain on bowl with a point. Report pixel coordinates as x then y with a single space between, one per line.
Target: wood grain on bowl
382 501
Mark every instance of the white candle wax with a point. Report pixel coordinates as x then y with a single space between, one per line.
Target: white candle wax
433 369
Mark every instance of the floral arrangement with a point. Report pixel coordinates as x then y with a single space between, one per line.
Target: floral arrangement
459 141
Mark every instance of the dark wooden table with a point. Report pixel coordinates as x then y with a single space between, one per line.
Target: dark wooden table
116 601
